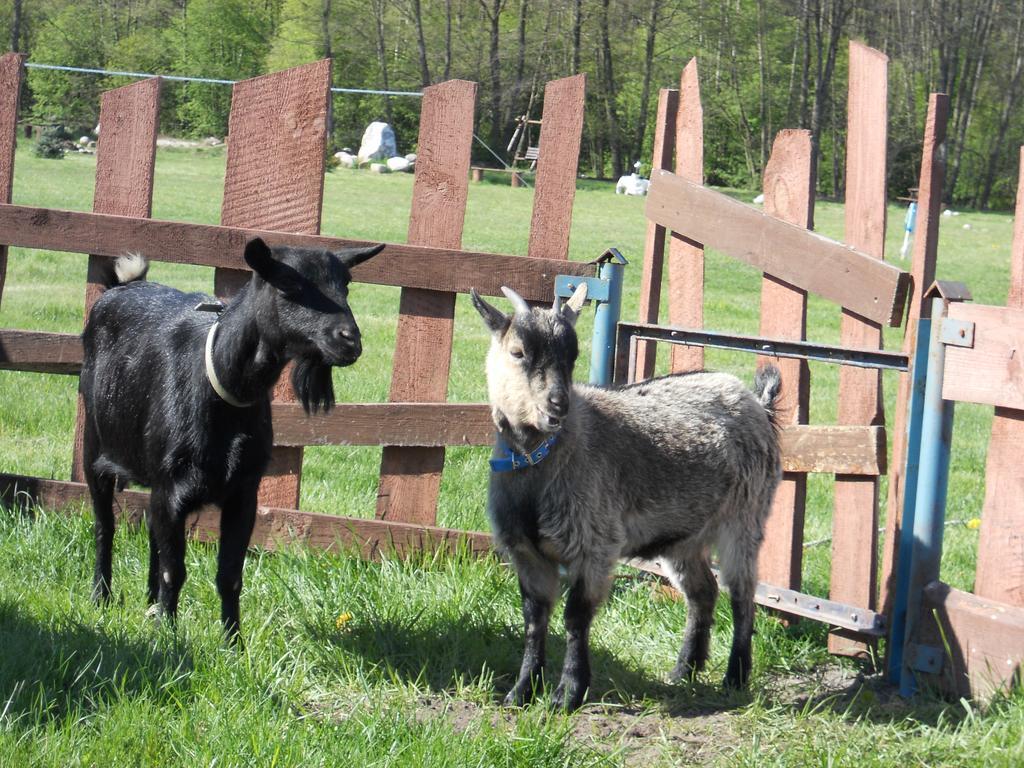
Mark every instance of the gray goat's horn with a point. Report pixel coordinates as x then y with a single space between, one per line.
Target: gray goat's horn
518 302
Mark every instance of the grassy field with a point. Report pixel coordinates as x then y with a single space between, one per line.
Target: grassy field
397 663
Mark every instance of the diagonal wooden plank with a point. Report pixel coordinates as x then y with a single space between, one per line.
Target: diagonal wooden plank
125 161
922 270
274 180
855 521
686 256
410 478
555 188
11 73
654 245
841 273
789 195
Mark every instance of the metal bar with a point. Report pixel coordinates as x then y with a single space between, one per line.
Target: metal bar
932 484
849 617
915 415
862 358
602 352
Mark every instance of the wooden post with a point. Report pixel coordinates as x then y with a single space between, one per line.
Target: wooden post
516 181
10 91
410 477
922 268
125 160
555 184
478 174
274 180
654 245
788 195
854 534
1000 571
685 257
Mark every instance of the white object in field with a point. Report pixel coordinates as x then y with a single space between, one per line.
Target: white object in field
83 140
908 229
759 200
967 226
632 185
378 143
411 157
379 168
346 159
398 164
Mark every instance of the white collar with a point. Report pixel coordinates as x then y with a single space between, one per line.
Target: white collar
211 374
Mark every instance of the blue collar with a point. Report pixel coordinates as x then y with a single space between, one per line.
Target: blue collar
508 460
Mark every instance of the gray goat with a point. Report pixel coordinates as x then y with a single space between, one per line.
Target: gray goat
583 476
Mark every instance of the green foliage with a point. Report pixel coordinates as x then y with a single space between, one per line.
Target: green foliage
51 143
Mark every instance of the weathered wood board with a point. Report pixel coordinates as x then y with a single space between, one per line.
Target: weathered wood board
11 72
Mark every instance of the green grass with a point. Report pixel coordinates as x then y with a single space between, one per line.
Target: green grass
411 678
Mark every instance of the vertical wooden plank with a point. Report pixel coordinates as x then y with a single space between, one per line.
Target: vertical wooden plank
1000 571
10 91
560 133
654 245
922 269
788 195
685 257
125 159
854 534
277 134
411 477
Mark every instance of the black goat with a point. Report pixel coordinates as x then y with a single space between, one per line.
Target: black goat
179 399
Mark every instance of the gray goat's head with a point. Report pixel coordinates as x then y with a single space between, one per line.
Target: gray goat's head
303 306
530 362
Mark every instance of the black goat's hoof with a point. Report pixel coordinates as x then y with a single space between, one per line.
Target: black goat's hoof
568 696
519 696
683 673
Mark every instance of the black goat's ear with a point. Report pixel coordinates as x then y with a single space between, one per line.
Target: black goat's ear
351 257
260 259
496 320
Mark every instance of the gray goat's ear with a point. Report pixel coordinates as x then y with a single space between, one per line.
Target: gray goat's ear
351 257
496 320
571 308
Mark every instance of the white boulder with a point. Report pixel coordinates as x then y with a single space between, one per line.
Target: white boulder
345 159
378 142
398 164
632 185
379 168
411 157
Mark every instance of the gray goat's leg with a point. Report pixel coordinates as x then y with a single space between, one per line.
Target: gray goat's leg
538 584
692 573
738 549
585 595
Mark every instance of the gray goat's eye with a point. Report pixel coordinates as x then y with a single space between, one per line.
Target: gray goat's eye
516 353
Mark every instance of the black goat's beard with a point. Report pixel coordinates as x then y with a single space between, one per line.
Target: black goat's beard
311 380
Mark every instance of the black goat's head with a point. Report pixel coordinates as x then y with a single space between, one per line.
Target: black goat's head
530 362
302 304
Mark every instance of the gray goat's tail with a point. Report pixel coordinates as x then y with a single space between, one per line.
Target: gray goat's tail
124 269
767 386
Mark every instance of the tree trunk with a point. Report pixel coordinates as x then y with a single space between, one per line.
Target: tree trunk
608 76
1010 96
325 32
416 11
382 55
16 26
835 21
645 91
494 17
577 29
512 104
762 67
447 39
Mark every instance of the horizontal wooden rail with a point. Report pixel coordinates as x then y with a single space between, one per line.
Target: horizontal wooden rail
991 371
40 352
839 450
858 282
275 528
410 266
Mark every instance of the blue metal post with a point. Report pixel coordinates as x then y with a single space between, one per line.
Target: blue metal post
932 484
897 627
602 353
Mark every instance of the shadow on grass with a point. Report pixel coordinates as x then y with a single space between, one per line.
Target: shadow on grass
442 654
51 671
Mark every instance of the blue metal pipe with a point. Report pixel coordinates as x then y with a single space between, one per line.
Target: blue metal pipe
602 353
897 626
932 485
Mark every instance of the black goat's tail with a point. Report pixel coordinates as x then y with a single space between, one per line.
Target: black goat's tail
767 386
124 269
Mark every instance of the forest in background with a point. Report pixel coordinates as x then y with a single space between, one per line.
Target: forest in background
764 65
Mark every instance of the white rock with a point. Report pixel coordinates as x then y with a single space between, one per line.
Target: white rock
379 168
345 159
378 142
398 164
967 226
947 212
83 140
631 185
411 157
759 200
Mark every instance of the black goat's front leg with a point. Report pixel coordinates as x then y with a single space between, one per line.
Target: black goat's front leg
538 585
101 489
167 530
580 606
236 523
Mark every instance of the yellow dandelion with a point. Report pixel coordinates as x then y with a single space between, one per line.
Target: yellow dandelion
974 523
342 620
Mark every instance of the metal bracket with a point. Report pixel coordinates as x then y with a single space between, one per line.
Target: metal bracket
924 658
612 255
597 288
957 333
